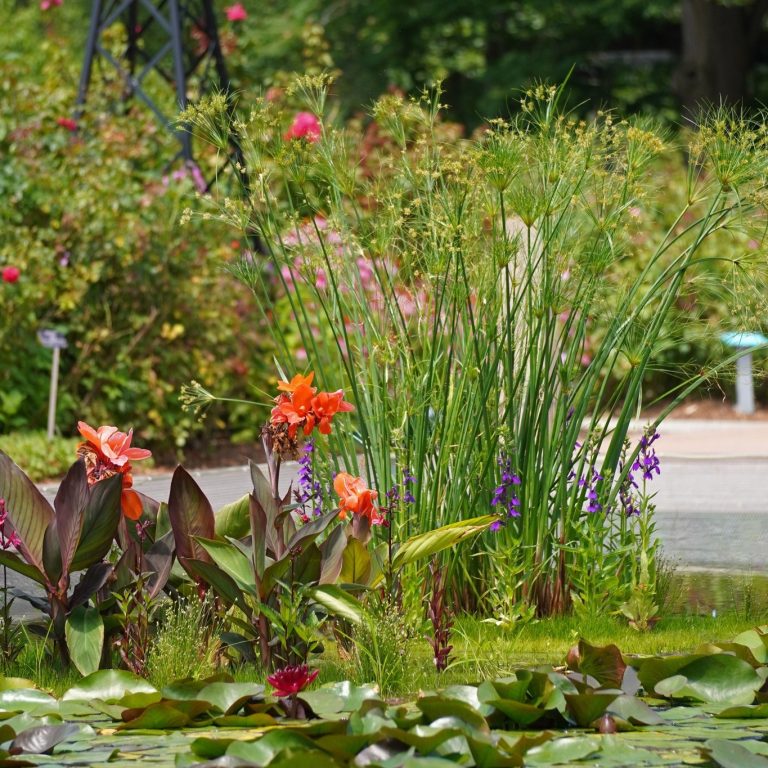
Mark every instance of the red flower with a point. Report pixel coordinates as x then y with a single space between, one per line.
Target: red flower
290 680
107 452
305 126
11 274
67 122
236 12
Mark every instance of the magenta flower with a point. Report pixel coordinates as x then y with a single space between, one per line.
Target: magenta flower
290 680
11 274
236 12
305 126
8 538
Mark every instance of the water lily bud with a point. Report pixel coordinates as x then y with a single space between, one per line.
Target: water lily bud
607 724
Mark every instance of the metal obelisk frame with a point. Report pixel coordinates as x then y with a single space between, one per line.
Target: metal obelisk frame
159 35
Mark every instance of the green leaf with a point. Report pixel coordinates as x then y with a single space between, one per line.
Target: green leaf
28 511
223 584
717 679
232 520
519 712
439 706
100 521
744 712
427 544
84 631
107 685
232 561
15 563
585 708
157 716
356 563
338 602
311 530
563 751
731 754
191 517
230 697
332 550
268 746
306 567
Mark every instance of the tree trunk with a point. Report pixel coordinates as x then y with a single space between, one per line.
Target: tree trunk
718 42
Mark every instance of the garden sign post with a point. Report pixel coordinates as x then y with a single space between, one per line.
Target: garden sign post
56 341
745 387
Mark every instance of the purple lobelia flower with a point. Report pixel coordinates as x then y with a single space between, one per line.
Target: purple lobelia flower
590 483
505 495
309 491
647 461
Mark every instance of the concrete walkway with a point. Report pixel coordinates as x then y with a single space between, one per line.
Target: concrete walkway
712 495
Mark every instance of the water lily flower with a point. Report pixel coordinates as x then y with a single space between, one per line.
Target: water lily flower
236 12
304 126
356 498
108 452
11 274
290 680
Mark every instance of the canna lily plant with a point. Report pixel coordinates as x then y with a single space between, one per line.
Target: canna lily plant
75 535
294 569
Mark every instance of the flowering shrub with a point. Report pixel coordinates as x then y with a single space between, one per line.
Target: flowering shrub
145 306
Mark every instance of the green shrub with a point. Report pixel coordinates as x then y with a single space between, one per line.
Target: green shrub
40 458
90 222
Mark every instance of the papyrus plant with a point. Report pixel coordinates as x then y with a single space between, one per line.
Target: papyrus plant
468 295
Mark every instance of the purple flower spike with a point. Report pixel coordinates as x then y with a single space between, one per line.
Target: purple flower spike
504 494
309 490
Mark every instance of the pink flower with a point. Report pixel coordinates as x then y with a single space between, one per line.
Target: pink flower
236 12
290 680
67 122
11 274
305 126
48 4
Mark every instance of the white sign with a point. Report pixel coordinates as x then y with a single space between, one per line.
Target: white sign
51 339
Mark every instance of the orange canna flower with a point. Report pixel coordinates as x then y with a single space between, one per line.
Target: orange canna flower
297 381
325 406
293 410
107 452
112 444
356 498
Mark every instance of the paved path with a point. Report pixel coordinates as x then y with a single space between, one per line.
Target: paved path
712 496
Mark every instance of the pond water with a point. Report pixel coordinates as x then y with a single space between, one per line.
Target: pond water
704 591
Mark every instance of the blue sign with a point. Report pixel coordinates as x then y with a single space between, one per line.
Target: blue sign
52 339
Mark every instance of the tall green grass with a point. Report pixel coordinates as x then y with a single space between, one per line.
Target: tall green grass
451 286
